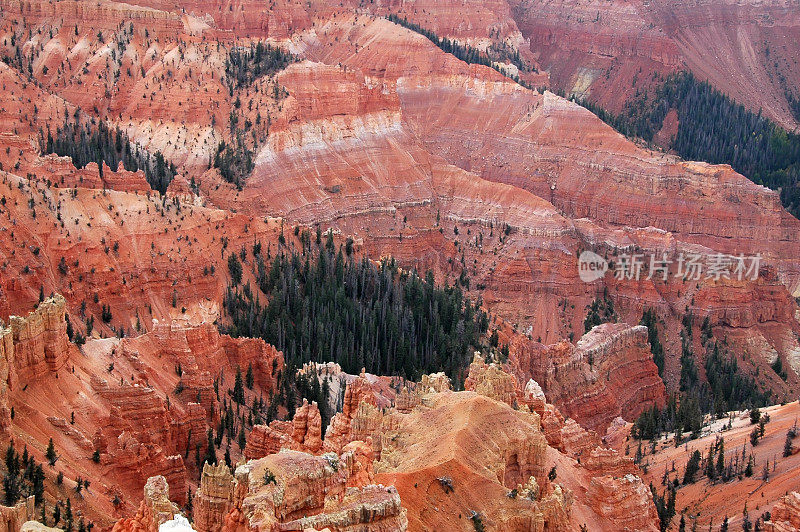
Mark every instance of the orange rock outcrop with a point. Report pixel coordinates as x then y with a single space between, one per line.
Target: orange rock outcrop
608 373
30 348
155 509
214 498
785 516
303 433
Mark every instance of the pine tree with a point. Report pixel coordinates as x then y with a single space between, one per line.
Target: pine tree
12 483
242 439
787 445
710 471
211 454
235 268
51 455
692 467
68 524
249 377
720 458
238 387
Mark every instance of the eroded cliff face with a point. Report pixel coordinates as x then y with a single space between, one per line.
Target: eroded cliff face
31 348
155 509
786 514
498 467
398 151
303 433
608 373
121 399
517 182
214 498
469 455
292 490
380 136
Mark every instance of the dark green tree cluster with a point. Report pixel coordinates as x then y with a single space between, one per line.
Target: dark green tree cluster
87 141
665 505
601 310
322 306
650 320
23 477
684 418
692 467
724 389
246 64
714 128
731 389
496 53
234 160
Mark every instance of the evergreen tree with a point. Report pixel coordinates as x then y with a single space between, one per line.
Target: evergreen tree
50 454
235 268
692 467
68 519
720 457
238 387
242 438
89 140
12 483
787 445
211 454
249 379
714 128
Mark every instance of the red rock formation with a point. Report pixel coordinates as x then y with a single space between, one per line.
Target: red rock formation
303 433
358 419
13 517
625 500
154 510
600 55
411 394
609 373
214 498
193 346
491 381
484 449
62 173
31 348
292 490
361 471
603 461
576 440
785 515
40 341
375 125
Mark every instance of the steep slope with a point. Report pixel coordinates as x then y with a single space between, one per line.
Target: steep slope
745 49
118 411
710 501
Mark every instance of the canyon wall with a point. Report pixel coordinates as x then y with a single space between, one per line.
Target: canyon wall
608 373
31 347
